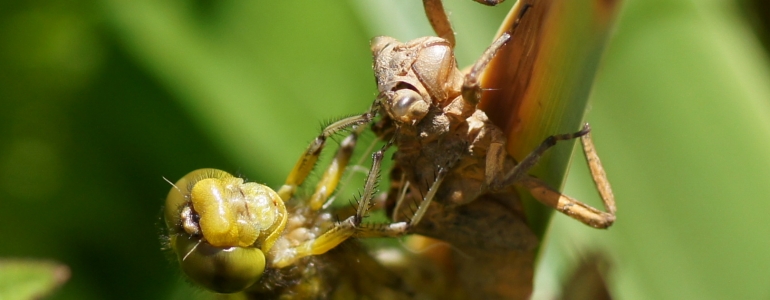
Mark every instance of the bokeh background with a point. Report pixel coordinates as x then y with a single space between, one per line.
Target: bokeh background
99 100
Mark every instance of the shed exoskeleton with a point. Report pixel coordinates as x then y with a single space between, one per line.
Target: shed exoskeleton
431 113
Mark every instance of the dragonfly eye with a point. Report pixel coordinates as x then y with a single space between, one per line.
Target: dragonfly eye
222 270
408 106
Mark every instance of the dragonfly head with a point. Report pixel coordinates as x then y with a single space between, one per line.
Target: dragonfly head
413 76
220 228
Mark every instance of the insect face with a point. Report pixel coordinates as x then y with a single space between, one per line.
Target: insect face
413 76
221 227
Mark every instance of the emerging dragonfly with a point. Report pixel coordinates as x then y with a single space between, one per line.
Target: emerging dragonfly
231 236
450 160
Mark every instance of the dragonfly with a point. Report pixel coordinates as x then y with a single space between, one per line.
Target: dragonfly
232 236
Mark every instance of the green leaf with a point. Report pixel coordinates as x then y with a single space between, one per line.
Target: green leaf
680 117
30 279
538 84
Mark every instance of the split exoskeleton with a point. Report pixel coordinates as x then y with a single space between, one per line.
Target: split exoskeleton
436 125
450 153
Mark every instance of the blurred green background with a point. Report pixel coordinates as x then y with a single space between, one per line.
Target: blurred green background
99 100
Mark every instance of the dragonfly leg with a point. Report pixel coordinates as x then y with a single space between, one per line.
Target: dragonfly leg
471 89
573 207
397 229
309 158
434 10
597 174
438 19
518 172
405 184
334 171
353 226
342 230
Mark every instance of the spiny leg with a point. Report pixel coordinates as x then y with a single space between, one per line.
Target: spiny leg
351 171
353 227
309 158
341 230
333 173
597 174
518 172
397 229
573 207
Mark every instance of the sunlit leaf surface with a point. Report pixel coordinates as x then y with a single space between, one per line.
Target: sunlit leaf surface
681 116
538 84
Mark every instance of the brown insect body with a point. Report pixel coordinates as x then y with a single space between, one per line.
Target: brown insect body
446 144
485 223
453 133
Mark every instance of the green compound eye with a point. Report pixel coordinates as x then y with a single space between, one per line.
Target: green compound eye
220 270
